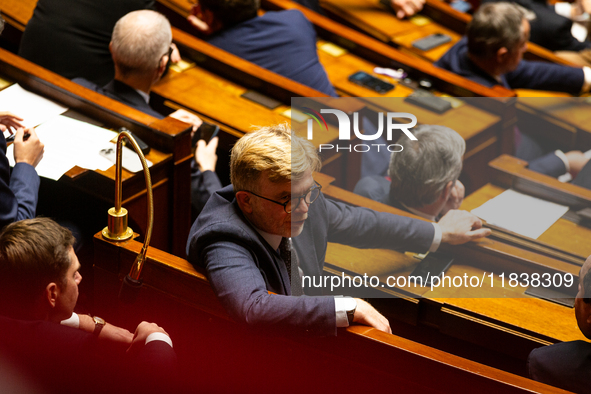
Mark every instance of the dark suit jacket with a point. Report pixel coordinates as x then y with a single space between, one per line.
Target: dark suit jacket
71 37
283 42
119 91
550 30
528 75
18 189
566 365
242 268
66 360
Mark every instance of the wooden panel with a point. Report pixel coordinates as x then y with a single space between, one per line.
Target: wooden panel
205 340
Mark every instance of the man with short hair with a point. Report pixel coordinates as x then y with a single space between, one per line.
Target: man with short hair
423 176
568 365
281 41
242 238
39 281
492 52
141 50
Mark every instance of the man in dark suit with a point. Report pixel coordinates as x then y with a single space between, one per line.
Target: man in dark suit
281 41
19 187
492 54
423 177
71 37
141 50
568 365
39 288
242 238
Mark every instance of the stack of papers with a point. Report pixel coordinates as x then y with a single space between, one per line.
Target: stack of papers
520 213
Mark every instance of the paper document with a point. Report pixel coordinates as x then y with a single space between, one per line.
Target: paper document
520 213
33 108
69 142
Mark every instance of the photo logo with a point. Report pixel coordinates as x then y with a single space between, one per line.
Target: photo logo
315 117
345 128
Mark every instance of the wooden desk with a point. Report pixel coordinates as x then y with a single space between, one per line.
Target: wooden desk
170 174
379 21
501 319
565 235
206 341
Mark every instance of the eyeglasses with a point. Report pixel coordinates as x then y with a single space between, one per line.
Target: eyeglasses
294 202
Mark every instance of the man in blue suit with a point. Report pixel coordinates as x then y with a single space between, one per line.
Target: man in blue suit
281 41
568 365
19 186
242 238
492 54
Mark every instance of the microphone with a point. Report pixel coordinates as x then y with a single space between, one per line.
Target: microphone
117 229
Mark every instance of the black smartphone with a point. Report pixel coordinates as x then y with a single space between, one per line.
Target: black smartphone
434 264
369 81
431 41
205 132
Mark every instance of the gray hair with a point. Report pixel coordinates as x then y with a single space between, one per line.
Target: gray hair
494 26
139 41
424 167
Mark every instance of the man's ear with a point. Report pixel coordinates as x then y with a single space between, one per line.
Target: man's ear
244 201
446 192
502 54
51 294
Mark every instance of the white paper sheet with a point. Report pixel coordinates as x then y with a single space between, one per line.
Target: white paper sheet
33 108
520 213
69 142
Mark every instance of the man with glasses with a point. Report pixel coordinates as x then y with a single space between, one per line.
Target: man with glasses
244 235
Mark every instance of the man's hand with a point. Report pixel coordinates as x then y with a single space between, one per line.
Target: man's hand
455 198
187 117
141 333
459 227
30 150
367 315
205 154
405 8
175 55
115 335
576 162
8 119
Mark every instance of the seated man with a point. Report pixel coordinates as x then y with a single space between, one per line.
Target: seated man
281 41
19 187
492 51
424 176
39 288
568 365
553 25
242 237
140 46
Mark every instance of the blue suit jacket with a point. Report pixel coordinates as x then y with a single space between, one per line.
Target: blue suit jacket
528 75
566 365
283 42
242 268
18 189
